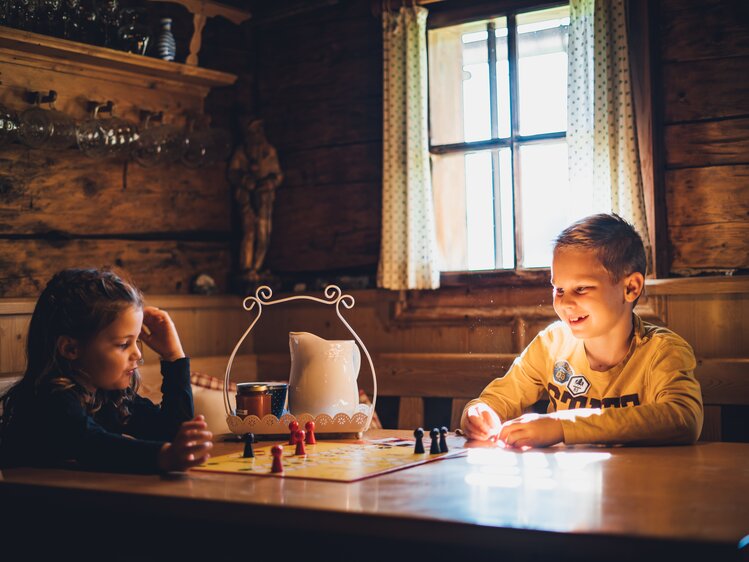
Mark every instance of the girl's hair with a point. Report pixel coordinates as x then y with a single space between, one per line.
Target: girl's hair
615 241
78 303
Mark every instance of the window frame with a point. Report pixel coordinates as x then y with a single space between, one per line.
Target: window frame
454 15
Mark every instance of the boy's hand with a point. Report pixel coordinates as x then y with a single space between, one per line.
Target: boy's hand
481 422
532 430
189 448
159 334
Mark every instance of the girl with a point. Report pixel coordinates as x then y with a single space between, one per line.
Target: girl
77 400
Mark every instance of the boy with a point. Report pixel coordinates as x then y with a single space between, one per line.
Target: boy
610 377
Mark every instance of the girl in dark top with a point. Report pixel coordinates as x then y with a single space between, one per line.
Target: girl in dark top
77 400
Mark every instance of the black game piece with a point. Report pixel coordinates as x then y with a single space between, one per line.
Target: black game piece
249 439
443 439
435 447
419 445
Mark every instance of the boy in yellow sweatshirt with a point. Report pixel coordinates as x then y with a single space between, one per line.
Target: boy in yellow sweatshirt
610 376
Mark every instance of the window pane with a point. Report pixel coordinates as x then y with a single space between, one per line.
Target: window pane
459 92
545 202
476 110
542 70
507 221
467 206
503 78
449 192
479 210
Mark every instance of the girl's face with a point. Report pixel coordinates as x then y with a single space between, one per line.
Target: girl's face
112 355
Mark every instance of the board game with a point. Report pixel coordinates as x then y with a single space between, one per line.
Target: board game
339 461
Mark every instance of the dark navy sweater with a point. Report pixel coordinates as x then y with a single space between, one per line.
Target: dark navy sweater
60 430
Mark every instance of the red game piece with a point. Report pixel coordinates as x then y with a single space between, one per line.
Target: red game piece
310 427
300 443
276 451
293 428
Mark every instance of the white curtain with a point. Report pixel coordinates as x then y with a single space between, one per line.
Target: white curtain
604 163
408 255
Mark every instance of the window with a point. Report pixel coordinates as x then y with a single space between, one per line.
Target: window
498 119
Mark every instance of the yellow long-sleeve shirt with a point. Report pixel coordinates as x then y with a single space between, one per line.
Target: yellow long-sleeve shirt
651 396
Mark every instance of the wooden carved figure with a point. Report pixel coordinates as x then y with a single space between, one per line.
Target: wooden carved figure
254 174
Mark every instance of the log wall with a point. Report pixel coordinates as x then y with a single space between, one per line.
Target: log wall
318 82
704 59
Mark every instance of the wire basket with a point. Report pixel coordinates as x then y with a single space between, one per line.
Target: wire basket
341 423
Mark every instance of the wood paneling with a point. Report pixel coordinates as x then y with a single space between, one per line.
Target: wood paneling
711 430
322 166
716 326
705 89
66 192
701 29
410 412
325 227
209 328
711 195
319 88
710 246
154 266
707 143
332 121
724 381
13 330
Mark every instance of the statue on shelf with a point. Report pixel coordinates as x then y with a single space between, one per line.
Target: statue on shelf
254 174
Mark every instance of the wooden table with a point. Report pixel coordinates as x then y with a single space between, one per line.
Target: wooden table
669 503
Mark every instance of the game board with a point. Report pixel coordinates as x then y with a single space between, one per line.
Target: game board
340 461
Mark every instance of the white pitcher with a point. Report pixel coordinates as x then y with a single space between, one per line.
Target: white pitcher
323 375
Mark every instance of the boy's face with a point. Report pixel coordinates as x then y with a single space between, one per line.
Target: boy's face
585 298
112 355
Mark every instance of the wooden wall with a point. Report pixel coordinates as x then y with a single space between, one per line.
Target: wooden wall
318 82
704 58
162 225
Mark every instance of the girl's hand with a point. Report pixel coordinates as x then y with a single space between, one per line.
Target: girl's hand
189 448
159 334
532 430
481 422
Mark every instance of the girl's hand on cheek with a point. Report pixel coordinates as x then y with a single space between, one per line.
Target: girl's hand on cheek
160 334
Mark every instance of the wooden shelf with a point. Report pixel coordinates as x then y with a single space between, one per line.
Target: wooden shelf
61 55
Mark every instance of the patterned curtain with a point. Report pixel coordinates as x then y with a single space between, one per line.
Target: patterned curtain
408 254
604 163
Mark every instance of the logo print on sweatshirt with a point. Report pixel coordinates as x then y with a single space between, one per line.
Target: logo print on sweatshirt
562 371
578 385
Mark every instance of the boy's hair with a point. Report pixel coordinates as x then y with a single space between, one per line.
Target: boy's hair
78 303
615 241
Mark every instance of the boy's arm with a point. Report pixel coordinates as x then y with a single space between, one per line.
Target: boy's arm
672 415
522 385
